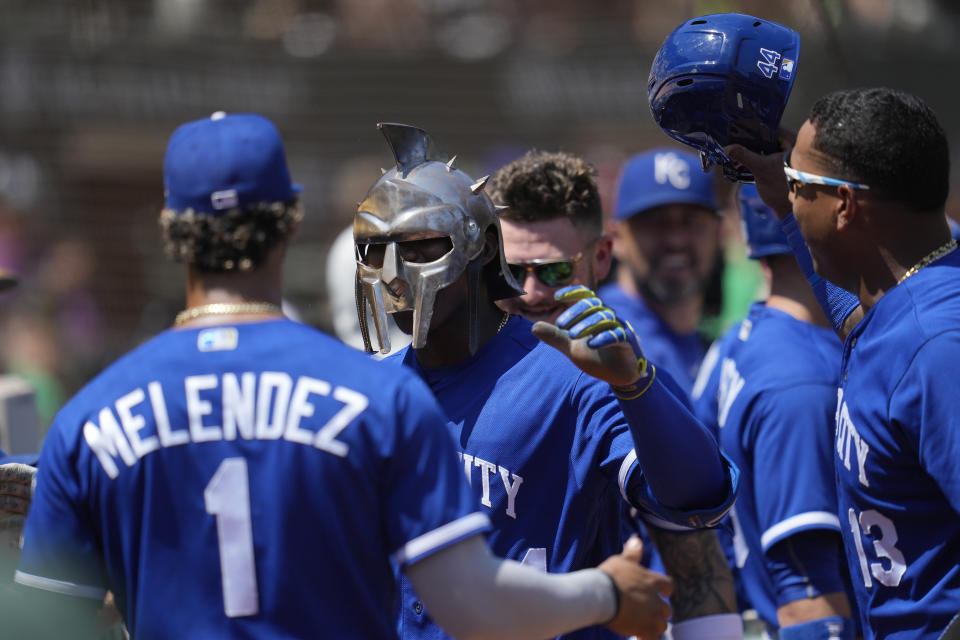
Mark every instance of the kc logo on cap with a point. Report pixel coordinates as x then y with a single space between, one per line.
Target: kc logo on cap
670 166
660 177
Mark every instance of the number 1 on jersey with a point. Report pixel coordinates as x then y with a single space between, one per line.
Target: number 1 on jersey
227 498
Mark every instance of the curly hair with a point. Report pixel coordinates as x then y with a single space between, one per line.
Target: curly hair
543 185
236 240
887 139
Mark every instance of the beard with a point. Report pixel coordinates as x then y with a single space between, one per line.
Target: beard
666 292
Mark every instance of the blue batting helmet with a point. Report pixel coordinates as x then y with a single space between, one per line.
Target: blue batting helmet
724 79
761 229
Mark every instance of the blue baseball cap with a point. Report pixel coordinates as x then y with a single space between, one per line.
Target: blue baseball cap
663 176
226 161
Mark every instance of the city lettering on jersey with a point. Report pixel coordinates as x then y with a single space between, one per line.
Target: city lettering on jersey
848 439
511 481
731 384
266 406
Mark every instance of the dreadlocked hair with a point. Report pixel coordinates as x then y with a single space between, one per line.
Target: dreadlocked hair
235 240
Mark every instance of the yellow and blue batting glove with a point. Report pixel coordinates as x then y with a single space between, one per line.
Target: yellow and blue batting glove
589 317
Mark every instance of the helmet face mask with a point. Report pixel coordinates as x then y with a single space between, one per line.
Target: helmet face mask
724 79
422 198
712 153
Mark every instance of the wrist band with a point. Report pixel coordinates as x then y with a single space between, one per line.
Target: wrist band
630 392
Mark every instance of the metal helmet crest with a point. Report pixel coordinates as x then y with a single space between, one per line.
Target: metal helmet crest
724 79
761 228
422 197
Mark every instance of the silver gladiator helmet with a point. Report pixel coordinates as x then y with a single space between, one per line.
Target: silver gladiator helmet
423 197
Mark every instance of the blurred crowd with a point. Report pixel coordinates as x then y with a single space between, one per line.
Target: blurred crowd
91 91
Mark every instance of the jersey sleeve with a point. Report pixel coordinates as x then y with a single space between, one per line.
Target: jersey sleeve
790 432
618 457
429 505
606 443
61 547
924 406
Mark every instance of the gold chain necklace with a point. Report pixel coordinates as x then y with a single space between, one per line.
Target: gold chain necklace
934 255
503 321
224 308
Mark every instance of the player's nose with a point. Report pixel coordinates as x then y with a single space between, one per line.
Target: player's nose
536 291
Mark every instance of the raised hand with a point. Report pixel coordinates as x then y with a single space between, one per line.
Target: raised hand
595 339
642 610
768 171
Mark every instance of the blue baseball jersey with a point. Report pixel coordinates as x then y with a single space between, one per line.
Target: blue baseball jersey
22 458
680 354
769 387
546 449
257 480
897 447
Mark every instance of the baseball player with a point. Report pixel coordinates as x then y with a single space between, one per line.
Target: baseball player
667 238
546 436
243 475
867 181
769 385
552 223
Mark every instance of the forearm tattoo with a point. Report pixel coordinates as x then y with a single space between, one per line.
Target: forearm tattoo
704 584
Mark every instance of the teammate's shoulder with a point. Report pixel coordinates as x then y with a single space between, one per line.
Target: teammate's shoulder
521 354
771 348
518 334
631 307
111 382
919 308
610 290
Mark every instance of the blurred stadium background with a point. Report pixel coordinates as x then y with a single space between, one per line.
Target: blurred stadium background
91 89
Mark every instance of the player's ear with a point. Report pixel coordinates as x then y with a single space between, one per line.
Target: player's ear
491 245
848 207
602 256
617 232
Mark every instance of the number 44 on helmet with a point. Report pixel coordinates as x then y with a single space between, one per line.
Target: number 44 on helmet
724 79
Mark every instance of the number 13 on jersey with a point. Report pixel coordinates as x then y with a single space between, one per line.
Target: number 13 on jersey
881 529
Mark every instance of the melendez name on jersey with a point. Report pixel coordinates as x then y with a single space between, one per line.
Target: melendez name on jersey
259 480
897 452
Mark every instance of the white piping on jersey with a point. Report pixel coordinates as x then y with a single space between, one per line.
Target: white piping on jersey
825 520
59 586
660 523
441 536
628 461
707 366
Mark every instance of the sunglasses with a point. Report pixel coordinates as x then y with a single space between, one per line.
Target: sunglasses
553 272
797 179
